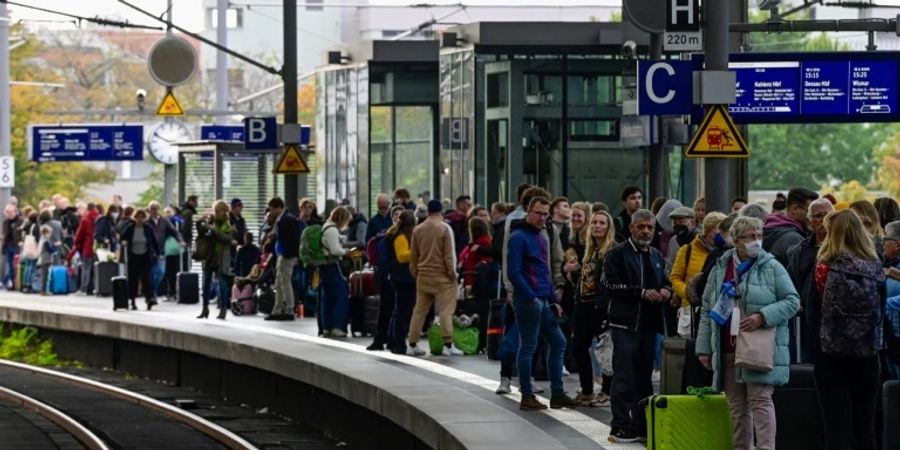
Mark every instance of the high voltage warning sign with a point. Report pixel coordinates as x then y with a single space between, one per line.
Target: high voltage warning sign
717 137
169 106
291 162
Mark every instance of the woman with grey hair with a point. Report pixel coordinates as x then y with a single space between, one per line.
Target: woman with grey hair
754 210
749 293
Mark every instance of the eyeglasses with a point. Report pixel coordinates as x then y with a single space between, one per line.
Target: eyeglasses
818 216
751 237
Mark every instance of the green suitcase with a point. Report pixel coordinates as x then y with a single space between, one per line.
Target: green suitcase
688 422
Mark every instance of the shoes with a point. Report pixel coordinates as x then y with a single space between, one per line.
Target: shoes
357 334
338 333
565 372
414 351
655 377
133 306
531 403
375 347
504 387
602 398
452 351
563 401
326 333
204 314
150 303
222 313
587 399
623 436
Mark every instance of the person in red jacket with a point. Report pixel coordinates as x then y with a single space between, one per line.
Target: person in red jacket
83 244
480 237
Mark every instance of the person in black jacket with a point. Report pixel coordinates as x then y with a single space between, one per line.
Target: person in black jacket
142 251
287 247
634 279
105 235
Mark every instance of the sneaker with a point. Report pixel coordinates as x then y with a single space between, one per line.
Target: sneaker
587 399
623 436
375 347
504 387
414 351
602 399
338 333
565 372
563 401
452 351
326 333
531 403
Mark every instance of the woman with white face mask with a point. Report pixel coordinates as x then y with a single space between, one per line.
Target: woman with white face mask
748 292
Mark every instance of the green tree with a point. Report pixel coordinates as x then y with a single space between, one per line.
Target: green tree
812 154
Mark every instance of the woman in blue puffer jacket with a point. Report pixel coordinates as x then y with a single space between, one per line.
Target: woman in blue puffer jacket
770 300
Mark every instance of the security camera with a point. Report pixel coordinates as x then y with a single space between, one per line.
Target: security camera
629 50
140 96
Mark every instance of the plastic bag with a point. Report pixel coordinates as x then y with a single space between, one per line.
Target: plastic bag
435 340
466 339
604 352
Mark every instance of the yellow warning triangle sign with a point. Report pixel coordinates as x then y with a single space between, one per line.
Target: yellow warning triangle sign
291 162
717 137
169 106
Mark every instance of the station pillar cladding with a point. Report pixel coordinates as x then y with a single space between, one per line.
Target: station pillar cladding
538 103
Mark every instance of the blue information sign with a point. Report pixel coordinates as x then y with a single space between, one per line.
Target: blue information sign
86 142
814 87
222 133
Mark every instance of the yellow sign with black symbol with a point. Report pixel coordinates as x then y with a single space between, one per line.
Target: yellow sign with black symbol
291 162
717 137
170 106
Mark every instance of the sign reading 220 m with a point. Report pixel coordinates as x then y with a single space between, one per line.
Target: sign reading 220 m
816 87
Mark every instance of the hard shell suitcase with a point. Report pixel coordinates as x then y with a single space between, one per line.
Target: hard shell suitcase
104 272
364 314
494 332
120 292
890 404
187 285
688 422
58 284
673 350
798 420
362 284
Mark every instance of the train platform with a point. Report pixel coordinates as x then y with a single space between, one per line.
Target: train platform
445 402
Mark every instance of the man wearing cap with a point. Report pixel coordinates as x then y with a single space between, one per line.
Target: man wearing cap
432 263
684 228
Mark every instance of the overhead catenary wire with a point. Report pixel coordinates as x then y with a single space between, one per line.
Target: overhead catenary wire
430 5
78 19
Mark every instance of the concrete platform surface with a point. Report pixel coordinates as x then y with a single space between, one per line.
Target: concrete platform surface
447 402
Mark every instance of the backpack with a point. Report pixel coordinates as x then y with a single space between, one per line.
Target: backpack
851 310
312 249
374 252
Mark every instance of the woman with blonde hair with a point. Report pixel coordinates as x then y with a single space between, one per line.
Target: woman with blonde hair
217 265
335 298
591 305
872 223
852 285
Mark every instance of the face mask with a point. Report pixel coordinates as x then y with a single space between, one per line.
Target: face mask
729 241
680 229
115 216
719 240
753 248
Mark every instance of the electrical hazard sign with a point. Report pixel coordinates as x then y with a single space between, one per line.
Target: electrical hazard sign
170 106
717 137
291 162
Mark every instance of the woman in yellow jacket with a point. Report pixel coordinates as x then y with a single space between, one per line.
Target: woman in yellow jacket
689 263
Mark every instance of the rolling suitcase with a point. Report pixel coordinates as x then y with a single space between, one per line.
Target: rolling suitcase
798 421
370 314
188 285
494 331
58 284
119 292
688 422
890 404
17 271
104 272
362 284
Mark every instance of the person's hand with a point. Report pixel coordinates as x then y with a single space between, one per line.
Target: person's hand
474 248
571 266
651 295
558 309
751 322
664 294
509 298
234 243
706 361
893 272
559 294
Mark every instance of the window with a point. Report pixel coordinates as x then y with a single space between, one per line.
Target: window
234 18
310 5
498 90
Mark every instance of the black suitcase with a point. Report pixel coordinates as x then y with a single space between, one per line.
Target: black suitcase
188 288
494 332
104 272
370 314
890 407
265 300
798 420
120 292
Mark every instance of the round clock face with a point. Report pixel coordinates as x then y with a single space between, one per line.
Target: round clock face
163 136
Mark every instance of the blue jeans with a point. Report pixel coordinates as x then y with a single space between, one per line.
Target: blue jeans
536 317
10 254
633 358
210 277
334 297
157 273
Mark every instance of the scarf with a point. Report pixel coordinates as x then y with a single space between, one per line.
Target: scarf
724 306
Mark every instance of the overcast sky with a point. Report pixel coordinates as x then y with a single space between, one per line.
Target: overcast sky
189 13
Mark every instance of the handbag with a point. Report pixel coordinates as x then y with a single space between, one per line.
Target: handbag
755 350
30 248
172 247
604 352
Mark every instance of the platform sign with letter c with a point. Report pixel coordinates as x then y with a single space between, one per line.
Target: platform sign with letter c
665 87
7 172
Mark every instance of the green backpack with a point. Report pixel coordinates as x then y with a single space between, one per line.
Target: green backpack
312 251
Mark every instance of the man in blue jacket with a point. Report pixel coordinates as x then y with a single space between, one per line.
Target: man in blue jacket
536 305
287 247
634 278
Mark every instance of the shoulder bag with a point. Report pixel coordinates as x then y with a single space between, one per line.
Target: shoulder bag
754 350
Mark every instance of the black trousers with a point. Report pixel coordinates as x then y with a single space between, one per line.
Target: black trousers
139 267
836 377
589 318
169 285
385 307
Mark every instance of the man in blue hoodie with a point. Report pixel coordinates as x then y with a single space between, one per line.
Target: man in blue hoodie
536 305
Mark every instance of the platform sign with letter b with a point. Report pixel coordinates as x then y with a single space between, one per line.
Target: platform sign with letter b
260 133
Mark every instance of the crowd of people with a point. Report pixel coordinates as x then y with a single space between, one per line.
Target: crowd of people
582 290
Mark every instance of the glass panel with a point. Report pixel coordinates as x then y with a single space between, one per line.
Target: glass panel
414 145
593 130
542 153
497 151
498 90
592 90
381 149
457 160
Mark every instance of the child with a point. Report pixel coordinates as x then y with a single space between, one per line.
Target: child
247 256
49 250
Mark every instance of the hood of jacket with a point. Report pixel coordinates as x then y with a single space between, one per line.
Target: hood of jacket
775 221
662 217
